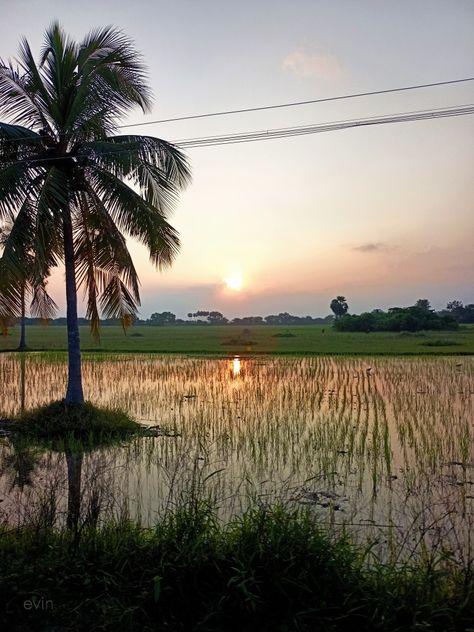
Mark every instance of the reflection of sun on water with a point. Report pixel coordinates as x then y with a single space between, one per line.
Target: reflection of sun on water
236 367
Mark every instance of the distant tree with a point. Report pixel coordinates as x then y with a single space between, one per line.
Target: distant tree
423 304
396 319
462 313
339 306
248 320
456 309
283 318
468 316
216 318
162 318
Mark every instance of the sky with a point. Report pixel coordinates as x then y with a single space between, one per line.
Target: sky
381 215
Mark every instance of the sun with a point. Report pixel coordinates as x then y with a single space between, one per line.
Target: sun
234 282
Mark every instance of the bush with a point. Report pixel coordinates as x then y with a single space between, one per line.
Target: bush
59 420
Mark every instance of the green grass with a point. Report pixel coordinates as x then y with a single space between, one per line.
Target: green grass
229 340
272 569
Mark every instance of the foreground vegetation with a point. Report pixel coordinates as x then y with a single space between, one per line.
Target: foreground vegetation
214 339
270 569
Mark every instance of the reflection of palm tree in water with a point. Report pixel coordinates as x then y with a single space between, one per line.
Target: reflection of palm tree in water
22 383
20 464
24 458
74 475
87 491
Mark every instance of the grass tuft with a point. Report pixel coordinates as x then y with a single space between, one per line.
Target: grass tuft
59 420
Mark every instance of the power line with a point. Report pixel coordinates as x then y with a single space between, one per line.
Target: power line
298 103
278 106
287 132
416 115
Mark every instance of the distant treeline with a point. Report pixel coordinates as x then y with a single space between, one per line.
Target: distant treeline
212 318
414 318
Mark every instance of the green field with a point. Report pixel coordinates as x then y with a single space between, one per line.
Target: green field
230 340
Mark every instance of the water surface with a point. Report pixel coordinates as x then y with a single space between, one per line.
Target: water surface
382 445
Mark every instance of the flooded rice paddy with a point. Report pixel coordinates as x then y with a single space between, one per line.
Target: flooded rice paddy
382 447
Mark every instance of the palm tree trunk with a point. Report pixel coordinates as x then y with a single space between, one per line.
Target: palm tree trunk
74 393
22 345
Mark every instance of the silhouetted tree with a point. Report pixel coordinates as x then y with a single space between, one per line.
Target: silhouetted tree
66 177
462 313
162 318
339 306
455 306
423 304
248 320
216 318
396 319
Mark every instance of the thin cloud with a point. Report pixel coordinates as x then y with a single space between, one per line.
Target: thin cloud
313 63
371 247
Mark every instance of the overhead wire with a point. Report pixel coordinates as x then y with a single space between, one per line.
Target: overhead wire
287 132
280 105
300 103
416 115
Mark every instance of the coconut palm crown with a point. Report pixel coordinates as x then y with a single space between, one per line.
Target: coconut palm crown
75 188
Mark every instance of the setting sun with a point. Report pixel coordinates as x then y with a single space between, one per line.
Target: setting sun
234 282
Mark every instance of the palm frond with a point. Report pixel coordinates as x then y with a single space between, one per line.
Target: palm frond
10 292
53 198
17 142
16 241
158 168
111 80
15 181
110 245
117 302
58 65
137 217
17 102
42 304
101 253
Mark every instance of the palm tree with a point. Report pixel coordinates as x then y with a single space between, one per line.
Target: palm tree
42 305
68 177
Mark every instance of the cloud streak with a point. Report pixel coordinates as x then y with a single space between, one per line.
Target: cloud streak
313 63
371 247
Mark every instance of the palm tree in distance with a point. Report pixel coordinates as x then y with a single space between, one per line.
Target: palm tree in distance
67 177
42 305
